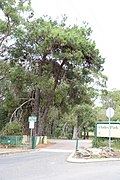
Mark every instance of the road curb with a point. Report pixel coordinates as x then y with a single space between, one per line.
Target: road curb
81 160
15 152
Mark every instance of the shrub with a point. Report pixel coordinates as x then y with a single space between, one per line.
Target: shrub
13 128
116 143
100 142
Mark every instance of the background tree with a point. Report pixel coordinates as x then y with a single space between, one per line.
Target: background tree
110 99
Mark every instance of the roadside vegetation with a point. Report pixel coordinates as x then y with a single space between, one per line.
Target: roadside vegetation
104 142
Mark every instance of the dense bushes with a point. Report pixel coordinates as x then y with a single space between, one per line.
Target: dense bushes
104 142
13 128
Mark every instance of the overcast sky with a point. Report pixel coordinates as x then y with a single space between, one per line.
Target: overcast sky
103 18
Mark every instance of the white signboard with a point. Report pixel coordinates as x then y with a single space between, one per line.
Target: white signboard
31 124
103 130
32 120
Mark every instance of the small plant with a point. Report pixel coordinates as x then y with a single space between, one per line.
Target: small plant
116 143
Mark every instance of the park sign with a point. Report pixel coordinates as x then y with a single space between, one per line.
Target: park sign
32 120
102 129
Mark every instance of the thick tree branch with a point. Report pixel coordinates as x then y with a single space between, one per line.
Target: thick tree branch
19 108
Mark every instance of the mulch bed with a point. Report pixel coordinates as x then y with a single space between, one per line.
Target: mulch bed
92 153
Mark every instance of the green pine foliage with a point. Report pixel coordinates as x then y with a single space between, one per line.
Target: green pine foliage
51 64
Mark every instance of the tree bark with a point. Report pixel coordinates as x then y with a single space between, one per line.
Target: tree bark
84 133
75 131
42 129
36 110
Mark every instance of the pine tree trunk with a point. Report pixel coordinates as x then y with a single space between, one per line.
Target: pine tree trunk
75 130
44 120
36 110
84 133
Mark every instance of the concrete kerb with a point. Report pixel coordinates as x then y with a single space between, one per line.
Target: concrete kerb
71 159
16 152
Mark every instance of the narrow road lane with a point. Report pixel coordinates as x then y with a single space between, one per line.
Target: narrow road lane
68 145
41 165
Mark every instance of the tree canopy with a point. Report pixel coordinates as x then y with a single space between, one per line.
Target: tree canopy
46 65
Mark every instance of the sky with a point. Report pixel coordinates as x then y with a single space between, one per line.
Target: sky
103 18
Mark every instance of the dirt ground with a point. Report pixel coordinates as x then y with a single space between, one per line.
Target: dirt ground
45 145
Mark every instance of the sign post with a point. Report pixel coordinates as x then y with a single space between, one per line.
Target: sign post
32 120
110 114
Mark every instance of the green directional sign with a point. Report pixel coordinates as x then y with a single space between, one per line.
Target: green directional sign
32 118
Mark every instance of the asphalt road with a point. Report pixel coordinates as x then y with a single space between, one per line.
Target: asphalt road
69 144
50 164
